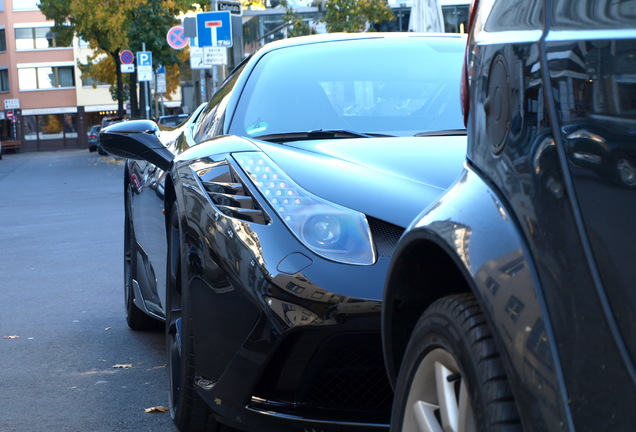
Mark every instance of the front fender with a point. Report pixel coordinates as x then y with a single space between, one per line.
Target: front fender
469 241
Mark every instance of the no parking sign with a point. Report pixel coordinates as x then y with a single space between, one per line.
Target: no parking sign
176 37
126 57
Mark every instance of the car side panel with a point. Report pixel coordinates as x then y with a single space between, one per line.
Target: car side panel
147 185
594 92
219 330
476 229
520 155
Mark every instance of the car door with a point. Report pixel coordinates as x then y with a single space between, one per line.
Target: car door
590 56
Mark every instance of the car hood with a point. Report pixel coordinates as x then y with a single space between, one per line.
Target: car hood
392 179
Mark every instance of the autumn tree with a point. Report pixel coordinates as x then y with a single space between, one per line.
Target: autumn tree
110 26
150 24
353 15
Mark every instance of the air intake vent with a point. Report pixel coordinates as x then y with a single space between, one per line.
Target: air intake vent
385 236
229 195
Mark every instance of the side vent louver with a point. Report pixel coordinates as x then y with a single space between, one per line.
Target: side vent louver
229 195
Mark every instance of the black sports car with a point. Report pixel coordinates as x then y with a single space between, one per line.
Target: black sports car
260 230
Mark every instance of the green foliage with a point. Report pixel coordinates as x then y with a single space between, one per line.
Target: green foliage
296 25
150 24
125 92
351 16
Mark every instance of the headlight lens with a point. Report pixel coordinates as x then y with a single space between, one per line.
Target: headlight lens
330 230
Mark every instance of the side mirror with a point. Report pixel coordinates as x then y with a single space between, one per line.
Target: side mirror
136 139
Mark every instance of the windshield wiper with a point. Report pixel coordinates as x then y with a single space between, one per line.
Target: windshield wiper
316 134
447 132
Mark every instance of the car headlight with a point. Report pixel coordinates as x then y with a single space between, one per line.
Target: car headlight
330 230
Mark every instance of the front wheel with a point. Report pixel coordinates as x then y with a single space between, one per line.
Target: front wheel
452 377
188 411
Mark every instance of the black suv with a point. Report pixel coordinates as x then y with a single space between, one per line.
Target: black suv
511 302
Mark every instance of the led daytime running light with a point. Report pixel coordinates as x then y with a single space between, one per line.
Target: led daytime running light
330 230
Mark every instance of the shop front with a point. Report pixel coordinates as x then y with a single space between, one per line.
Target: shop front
47 129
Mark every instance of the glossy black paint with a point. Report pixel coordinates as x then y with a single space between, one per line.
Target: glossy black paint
284 339
543 211
137 139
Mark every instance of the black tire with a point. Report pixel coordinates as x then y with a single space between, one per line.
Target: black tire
135 317
188 411
452 356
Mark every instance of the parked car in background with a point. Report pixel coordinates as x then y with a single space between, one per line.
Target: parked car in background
93 138
282 200
509 303
173 120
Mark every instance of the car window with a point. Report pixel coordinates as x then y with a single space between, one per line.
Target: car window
515 15
172 120
393 87
593 14
210 121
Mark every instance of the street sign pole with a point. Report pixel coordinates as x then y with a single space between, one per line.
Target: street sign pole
146 89
213 7
215 71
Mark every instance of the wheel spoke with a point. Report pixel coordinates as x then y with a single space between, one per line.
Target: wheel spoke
466 419
447 397
425 419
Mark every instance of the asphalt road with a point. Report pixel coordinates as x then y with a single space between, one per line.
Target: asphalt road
62 320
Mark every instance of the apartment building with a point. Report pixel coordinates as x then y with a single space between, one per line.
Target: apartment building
45 104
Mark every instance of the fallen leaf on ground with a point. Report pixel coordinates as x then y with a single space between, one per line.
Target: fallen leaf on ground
157 409
122 366
11 337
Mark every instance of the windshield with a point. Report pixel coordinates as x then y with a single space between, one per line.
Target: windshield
394 86
173 120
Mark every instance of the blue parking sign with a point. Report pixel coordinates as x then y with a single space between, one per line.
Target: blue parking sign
144 58
214 29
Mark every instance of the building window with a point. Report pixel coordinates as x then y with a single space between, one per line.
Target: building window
39 78
3 40
30 38
25 5
514 308
4 80
90 82
50 126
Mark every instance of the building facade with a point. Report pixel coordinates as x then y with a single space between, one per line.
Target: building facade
46 105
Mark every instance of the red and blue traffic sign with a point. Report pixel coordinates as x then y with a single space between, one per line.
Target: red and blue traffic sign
126 57
214 29
176 37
